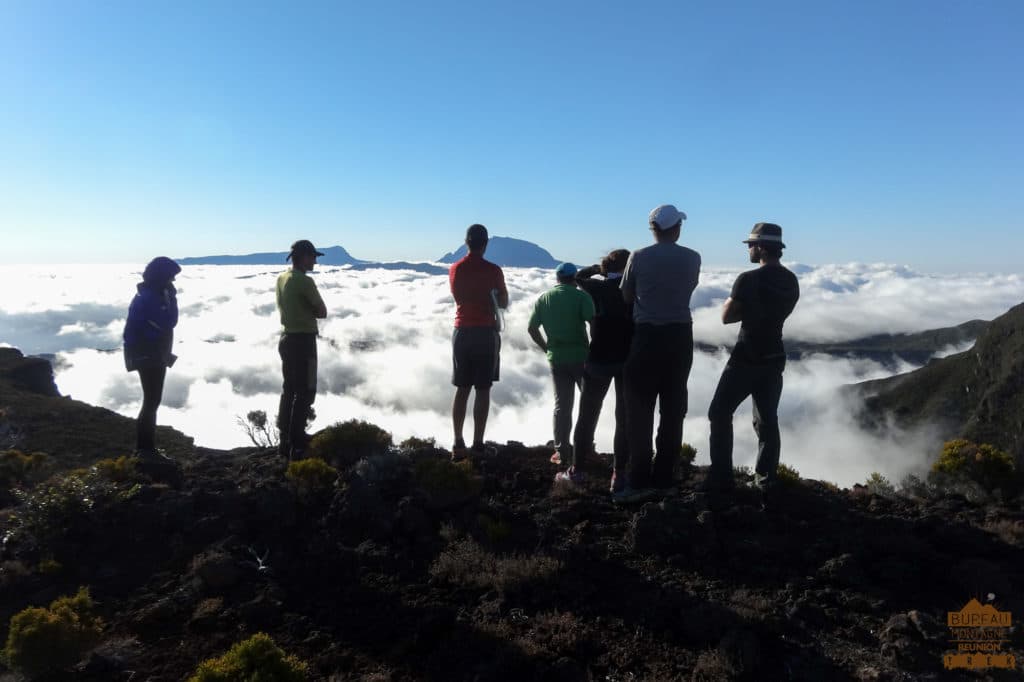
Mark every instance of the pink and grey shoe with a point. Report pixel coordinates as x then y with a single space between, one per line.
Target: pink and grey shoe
556 458
569 477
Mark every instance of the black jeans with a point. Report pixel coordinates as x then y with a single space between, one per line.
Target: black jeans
763 383
657 369
596 381
298 365
152 378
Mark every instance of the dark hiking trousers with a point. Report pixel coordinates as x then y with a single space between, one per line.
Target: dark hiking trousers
567 377
657 369
152 378
298 365
597 379
763 383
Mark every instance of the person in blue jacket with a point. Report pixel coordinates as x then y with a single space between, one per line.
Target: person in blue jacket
148 338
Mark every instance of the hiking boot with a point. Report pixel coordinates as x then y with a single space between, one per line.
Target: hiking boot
152 454
570 477
556 458
459 451
481 450
633 495
619 482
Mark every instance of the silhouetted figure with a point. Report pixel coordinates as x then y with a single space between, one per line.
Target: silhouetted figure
148 340
760 301
563 312
611 332
478 287
658 281
300 306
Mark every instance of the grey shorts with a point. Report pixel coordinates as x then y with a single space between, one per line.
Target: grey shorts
476 356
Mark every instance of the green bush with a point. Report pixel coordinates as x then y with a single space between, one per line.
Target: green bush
17 467
311 477
787 475
877 484
45 640
446 483
345 443
256 659
984 464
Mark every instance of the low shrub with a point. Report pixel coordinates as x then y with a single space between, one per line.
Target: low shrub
120 470
446 483
787 475
414 443
687 455
465 562
496 531
877 484
257 659
391 466
18 468
345 443
311 477
984 464
43 640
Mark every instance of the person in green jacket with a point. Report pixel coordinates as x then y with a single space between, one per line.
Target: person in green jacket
563 313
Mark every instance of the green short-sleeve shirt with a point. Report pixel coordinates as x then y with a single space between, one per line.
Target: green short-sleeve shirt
297 301
564 312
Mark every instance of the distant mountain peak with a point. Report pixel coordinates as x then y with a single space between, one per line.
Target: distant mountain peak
509 252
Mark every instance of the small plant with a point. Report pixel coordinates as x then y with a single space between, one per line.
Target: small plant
414 443
877 484
446 483
256 659
687 455
787 475
390 466
495 530
257 428
120 470
346 443
311 477
50 566
465 562
43 640
17 467
984 464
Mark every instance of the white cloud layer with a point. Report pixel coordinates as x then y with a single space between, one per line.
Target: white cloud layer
385 353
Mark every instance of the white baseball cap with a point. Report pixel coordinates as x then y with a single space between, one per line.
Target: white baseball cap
666 216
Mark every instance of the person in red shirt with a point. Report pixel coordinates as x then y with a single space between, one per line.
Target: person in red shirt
479 288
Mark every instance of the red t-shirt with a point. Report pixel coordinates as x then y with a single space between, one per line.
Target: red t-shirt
471 281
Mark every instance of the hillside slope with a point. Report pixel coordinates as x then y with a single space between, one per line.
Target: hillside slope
977 394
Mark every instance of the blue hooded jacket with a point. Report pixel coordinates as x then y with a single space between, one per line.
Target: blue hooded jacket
152 316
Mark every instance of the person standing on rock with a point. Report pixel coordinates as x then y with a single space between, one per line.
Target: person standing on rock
760 301
300 306
611 333
563 312
148 339
478 287
658 281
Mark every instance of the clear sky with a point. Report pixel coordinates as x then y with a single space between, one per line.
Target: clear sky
871 131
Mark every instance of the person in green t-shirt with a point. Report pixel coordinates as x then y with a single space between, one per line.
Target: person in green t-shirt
563 313
300 306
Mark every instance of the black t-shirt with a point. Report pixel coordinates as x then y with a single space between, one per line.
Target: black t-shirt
611 330
767 296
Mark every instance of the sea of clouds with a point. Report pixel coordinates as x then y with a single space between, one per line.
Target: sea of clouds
385 352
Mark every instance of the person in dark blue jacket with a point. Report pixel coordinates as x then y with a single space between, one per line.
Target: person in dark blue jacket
148 338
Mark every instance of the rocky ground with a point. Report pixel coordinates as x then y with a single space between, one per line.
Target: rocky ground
407 569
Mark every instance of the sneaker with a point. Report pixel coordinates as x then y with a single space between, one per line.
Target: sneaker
633 495
569 477
459 451
152 453
556 458
619 482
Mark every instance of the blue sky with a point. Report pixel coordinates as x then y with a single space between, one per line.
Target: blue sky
871 131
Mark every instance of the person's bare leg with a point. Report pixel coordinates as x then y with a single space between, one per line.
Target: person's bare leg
481 406
459 410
